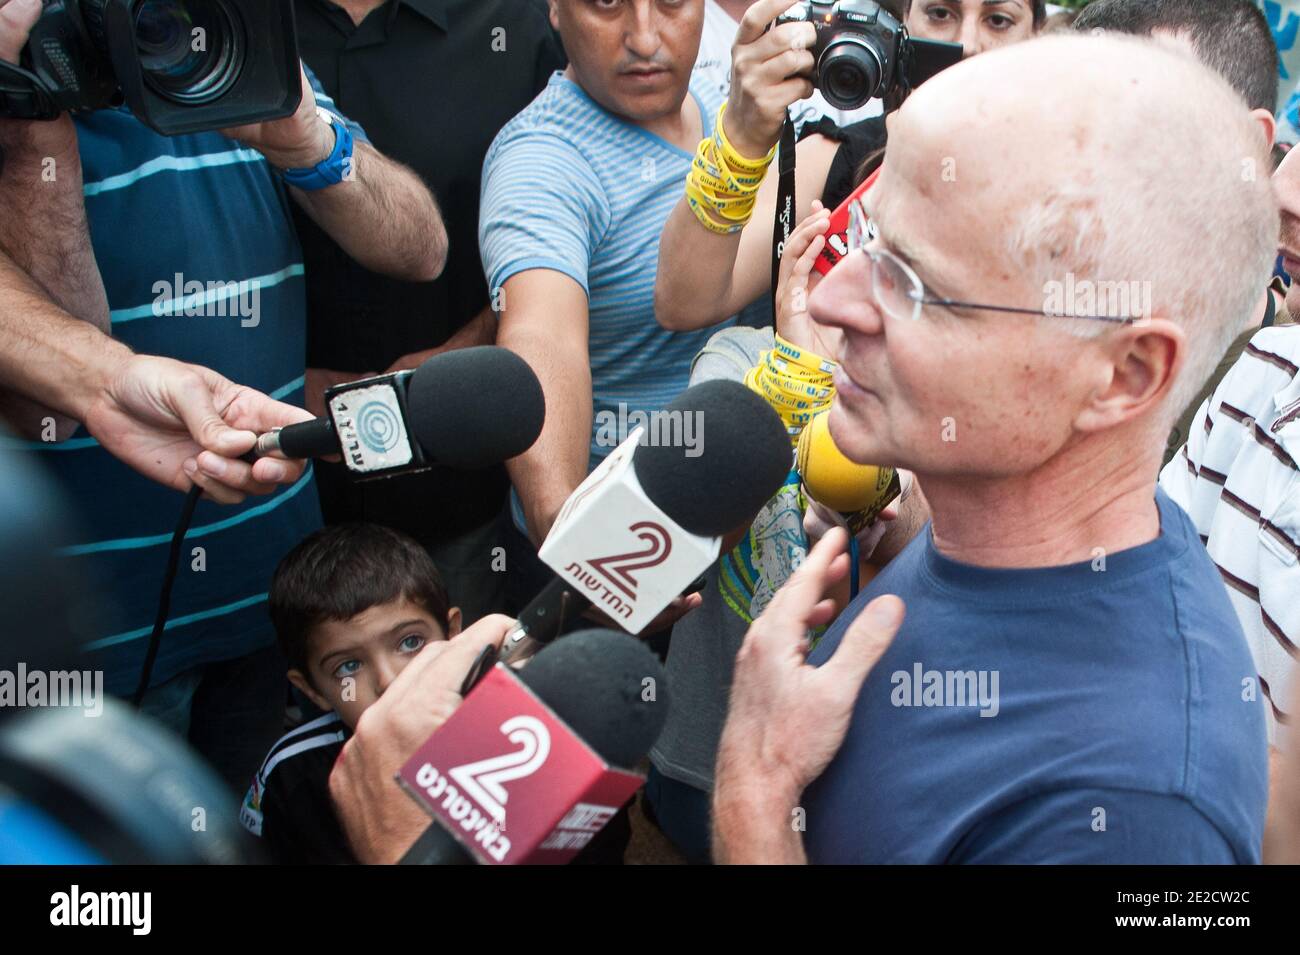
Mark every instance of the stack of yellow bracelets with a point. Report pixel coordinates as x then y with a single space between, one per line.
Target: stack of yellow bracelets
796 383
722 184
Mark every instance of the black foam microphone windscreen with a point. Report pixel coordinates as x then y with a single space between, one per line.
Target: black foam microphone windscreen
475 407
309 439
742 458
608 687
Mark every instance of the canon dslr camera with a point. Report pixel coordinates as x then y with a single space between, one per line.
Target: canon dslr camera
863 52
182 66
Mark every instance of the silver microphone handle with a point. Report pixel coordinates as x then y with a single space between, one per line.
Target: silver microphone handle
518 646
267 444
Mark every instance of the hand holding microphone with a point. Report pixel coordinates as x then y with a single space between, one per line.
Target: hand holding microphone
379 819
851 495
464 409
181 424
580 711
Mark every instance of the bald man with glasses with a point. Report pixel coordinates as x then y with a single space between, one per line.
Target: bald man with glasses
1051 671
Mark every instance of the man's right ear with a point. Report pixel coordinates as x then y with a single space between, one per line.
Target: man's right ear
299 680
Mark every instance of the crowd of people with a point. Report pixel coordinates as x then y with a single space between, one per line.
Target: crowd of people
1099 519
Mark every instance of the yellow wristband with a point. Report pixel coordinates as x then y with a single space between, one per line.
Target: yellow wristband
804 359
724 178
701 210
729 155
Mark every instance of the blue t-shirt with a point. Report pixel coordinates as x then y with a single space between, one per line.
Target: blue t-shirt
165 212
569 186
1123 726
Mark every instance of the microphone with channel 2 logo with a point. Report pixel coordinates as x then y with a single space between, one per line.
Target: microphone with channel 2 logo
649 520
462 409
533 764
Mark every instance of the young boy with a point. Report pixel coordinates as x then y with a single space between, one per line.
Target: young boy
352 604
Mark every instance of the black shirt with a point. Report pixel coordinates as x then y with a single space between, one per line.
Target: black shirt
431 82
289 805
861 151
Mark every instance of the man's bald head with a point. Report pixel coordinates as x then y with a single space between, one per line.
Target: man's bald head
1034 173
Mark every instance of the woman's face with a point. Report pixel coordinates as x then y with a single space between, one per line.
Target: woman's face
978 25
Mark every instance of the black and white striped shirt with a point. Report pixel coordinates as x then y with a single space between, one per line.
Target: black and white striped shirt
1238 477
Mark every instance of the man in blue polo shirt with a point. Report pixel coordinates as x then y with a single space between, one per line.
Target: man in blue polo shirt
1069 682
576 189
139 246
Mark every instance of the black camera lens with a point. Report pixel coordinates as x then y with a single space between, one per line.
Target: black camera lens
191 51
848 73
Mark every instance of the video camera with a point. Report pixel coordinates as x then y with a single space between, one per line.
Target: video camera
182 66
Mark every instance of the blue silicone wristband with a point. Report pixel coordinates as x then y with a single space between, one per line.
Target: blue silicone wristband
330 172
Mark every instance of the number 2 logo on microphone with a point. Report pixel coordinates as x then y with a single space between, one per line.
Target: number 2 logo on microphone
617 568
483 780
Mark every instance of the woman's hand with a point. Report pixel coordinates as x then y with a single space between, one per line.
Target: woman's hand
793 323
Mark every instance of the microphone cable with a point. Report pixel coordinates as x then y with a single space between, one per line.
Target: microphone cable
165 597
854 569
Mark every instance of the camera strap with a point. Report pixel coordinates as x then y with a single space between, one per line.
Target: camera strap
23 95
783 223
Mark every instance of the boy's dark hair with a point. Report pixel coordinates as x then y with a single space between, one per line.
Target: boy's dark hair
901 8
343 570
1231 37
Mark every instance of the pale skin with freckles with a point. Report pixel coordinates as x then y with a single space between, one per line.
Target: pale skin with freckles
1029 482
350 663
993 501
1267 127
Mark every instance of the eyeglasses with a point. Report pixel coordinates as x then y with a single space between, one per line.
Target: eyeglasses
899 291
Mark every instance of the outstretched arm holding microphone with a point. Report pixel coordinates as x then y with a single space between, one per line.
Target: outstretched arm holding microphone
176 423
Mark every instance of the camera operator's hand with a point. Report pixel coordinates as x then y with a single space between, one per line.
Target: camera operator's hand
380 820
299 141
182 424
770 69
17 17
26 141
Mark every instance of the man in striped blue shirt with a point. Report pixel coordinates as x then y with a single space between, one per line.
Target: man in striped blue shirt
127 246
576 190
